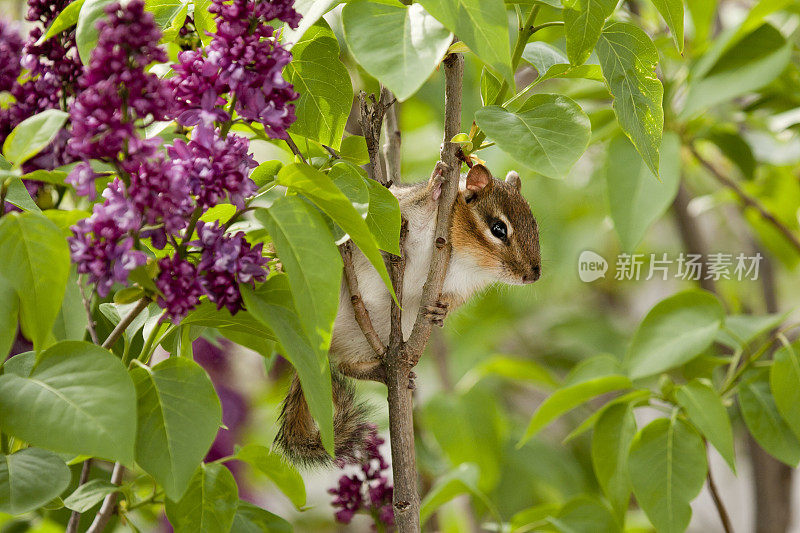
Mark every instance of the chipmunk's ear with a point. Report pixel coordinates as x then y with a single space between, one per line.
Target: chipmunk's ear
478 178
512 178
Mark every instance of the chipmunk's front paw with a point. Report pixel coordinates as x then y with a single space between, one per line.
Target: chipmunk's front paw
438 179
412 384
437 313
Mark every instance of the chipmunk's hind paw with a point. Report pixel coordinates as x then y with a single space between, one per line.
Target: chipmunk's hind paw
437 313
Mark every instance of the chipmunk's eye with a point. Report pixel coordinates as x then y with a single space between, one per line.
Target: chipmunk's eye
499 229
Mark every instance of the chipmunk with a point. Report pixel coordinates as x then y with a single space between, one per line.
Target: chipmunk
494 238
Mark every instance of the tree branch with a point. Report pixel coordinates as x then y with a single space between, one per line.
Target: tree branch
75 517
391 145
431 291
125 322
690 234
747 199
371 121
359 309
107 509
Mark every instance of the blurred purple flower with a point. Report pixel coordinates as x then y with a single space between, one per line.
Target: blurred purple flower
82 178
10 52
369 489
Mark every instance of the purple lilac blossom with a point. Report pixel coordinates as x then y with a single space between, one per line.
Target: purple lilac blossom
369 489
227 261
244 59
216 169
179 286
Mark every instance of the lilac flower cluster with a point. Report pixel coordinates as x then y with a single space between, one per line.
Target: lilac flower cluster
52 66
243 60
369 489
157 198
10 52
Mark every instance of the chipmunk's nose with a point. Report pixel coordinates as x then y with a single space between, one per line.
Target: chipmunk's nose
534 274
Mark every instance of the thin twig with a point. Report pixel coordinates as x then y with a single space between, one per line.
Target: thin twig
391 145
295 150
723 513
87 304
746 198
104 514
107 509
690 234
125 322
75 517
440 257
359 309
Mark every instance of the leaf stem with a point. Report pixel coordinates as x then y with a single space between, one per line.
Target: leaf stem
125 322
723 513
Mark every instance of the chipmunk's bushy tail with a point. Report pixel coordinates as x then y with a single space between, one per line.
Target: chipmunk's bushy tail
299 436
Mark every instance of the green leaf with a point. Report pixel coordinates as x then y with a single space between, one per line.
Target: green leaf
310 258
763 419
266 172
116 312
634 398
511 368
9 312
636 197
611 441
547 134
399 45
30 478
468 427
55 177
490 87
628 59
667 467
78 399
551 63
672 11
35 260
169 15
272 304
32 134
252 519
583 22
585 514
482 25
71 322
462 479
274 466
178 417
354 149
753 62
241 328
66 19
319 188
208 505
311 11
86 32
675 331
740 330
204 21
383 212
17 194
706 411
89 494
784 382
326 93
567 398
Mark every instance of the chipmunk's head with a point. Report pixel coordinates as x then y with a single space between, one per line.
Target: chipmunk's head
493 224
